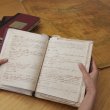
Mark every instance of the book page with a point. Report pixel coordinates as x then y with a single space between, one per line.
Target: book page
25 52
60 76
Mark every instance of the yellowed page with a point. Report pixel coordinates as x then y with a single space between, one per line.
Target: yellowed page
25 52
60 76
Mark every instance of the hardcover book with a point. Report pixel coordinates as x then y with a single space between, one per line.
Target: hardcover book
45 67
19 21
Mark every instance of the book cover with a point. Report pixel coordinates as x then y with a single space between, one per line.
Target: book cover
19 21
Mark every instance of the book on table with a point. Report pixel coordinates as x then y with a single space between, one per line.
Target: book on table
19 21
44 67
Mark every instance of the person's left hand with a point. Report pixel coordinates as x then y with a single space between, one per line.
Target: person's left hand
2 61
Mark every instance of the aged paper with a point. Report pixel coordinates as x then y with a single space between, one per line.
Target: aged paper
25 52
60 75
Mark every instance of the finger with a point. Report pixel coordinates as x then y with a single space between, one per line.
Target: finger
2 61
94 69
87 79
94 73
1 38
84 72
82 68
94 66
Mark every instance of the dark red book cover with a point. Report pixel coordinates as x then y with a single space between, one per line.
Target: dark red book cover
19 21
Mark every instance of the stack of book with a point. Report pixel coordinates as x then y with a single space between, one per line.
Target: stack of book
19 21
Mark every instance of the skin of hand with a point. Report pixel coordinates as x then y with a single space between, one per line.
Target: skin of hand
2 61
90 80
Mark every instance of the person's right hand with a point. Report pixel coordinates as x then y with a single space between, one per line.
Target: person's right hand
90 80
2 61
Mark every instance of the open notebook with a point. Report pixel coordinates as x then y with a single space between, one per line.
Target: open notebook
45 66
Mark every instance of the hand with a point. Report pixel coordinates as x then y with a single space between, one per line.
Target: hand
2 61
90 80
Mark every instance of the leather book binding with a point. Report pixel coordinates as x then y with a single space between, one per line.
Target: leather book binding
19 21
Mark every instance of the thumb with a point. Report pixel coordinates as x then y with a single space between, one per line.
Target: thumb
2 61
1 38
86 76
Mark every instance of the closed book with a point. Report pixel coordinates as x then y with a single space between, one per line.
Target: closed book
19 21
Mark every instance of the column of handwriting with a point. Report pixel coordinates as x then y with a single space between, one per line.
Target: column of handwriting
25 56
60 72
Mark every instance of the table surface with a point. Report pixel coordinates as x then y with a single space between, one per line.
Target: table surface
78 19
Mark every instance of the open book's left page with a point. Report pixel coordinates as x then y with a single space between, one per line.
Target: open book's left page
25 52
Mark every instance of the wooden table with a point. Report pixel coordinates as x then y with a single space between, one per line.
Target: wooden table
83 19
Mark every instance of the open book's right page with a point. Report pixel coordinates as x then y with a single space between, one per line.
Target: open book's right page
60 79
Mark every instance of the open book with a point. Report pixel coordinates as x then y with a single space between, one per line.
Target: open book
44 67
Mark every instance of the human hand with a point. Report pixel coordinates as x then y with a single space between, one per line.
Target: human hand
90 80
2 61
